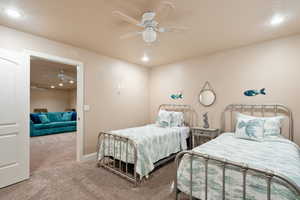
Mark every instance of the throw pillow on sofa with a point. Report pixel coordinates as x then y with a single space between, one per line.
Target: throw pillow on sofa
44 119
66 117
35 118
74 116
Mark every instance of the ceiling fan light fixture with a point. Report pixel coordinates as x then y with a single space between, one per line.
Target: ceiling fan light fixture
149 35
145 58
277 19
13 13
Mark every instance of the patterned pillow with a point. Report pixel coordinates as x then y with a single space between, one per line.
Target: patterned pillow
67 116
177 119
164 118
272 125
44 119
248 128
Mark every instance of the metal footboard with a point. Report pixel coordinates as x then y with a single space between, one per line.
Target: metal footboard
268 175
113 160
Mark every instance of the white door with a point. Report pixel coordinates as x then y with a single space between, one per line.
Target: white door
14 139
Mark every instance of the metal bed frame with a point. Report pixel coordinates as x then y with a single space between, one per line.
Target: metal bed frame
114 163
270 176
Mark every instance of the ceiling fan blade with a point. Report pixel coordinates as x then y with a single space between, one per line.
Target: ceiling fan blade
164 10
130 35
172 29
38 88
125 17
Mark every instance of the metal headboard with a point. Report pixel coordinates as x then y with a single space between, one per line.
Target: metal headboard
263 110
186 109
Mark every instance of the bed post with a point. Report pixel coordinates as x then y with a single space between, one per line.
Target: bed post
109 138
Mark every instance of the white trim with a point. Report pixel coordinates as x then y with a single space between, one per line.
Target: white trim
88 157
80 93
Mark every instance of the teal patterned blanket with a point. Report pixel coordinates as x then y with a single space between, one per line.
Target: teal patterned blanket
153 144
279 155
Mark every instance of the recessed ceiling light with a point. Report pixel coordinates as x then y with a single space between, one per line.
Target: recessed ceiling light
145 58
71 81
52 86
277 19
61 84
13 13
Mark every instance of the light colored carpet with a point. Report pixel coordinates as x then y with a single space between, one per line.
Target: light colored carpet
57 176
52 150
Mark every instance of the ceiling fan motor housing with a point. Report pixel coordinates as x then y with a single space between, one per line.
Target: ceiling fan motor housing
149 35
148 16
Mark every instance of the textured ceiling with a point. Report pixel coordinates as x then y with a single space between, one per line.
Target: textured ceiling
44 73
214 25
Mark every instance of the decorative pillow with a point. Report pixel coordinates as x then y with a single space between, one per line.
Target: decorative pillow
164 118
248 128
44 119
74 116
55 116
272 125
35 118
177 119
66 116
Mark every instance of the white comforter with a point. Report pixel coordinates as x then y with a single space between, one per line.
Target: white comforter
153 144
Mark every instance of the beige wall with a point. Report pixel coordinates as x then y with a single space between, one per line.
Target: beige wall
274 65
109 109
53 100
72 99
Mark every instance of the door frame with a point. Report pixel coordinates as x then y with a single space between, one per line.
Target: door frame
79 95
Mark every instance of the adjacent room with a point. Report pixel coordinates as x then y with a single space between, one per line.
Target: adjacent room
150 100
53 119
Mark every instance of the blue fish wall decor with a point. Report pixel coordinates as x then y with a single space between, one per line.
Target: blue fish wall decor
251 93
177 96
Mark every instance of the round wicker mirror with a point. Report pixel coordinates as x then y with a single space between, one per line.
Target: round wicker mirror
207 96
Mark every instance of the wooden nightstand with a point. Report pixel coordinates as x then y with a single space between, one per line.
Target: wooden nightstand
202 135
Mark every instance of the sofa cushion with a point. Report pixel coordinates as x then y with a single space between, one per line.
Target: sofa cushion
35 118
55 116
54 125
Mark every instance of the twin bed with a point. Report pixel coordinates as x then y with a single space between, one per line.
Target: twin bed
133 153
232 168
224 168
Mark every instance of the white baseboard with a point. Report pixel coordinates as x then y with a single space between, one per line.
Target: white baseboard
88 157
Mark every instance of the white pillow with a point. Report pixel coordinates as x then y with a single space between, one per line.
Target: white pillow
177 119
164 118
249 128
272 125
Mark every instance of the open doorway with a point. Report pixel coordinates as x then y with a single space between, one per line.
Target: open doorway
53 116
56 97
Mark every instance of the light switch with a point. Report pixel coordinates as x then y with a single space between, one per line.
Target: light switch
86 107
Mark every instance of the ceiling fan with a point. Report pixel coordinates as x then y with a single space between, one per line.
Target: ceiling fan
149 23
64 78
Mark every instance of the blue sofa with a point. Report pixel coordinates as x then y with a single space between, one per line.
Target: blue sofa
56 125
